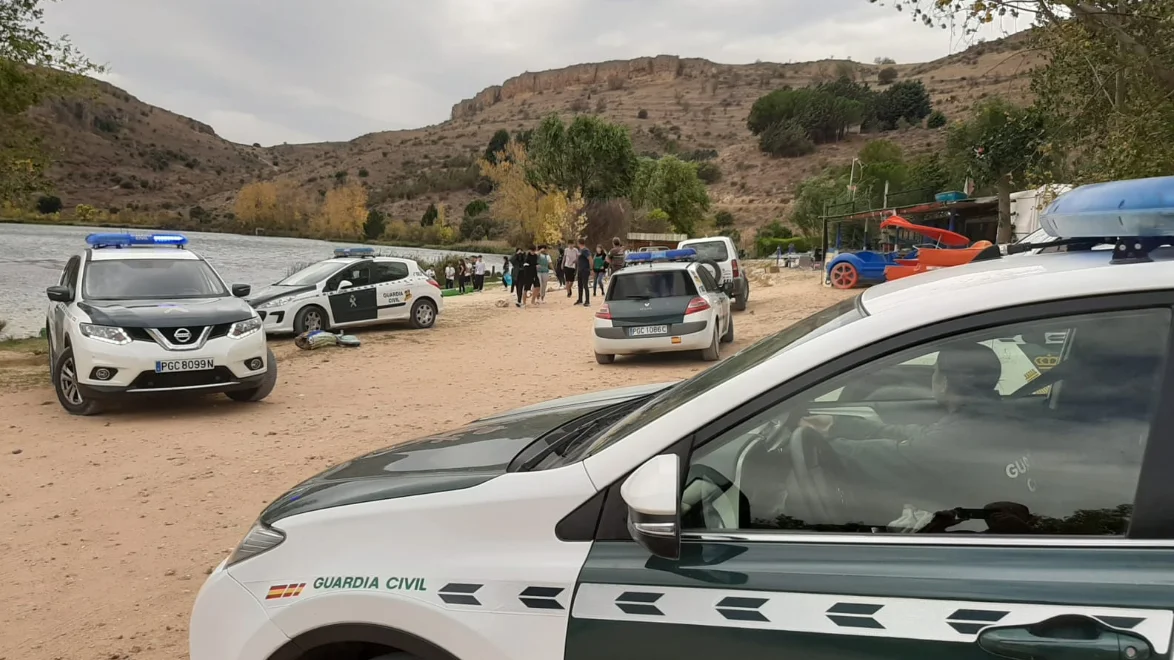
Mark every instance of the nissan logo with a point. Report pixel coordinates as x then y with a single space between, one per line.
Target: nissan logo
183 335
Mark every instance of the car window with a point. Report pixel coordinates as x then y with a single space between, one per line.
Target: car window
707 280
642 285
358 274
1059 454
797 334
311 274
715 250
151 279
69 273
390 271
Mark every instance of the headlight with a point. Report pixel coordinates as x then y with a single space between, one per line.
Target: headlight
276 302
261 538
108 334
242 329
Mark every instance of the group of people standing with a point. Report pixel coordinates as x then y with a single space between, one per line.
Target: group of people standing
465 272
575 264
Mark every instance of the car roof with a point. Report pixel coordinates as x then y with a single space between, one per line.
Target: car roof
1026 279
690 241
119 254
636 268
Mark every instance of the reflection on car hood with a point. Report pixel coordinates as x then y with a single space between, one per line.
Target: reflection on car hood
166 313
274 291
461 458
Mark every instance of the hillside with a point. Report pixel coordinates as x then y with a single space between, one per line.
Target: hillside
115 151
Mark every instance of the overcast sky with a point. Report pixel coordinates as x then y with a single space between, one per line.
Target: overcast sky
274 71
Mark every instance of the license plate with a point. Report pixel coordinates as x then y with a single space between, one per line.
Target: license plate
194 364
648 330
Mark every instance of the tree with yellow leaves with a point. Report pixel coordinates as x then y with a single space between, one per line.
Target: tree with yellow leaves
343 212
535 216
256 205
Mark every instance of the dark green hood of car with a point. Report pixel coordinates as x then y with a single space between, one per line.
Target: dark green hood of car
461 458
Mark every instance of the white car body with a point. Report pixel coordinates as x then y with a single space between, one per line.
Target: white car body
381 290
712 248
674 323
478 565
150 345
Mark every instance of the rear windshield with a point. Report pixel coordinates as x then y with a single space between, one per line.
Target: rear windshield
151 279
715 250
652 284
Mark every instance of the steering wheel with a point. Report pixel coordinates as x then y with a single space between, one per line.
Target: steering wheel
811 458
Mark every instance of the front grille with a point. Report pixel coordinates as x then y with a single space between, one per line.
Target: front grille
194 333
149 380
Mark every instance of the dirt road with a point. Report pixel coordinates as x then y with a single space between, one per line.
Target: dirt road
109 524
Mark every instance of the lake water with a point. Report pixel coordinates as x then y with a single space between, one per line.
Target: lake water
32 256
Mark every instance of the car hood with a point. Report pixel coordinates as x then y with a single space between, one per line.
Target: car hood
457 459
166 313
274 291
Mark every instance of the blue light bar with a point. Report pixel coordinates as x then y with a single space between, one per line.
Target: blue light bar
98 241
683 254
354 252
1134 208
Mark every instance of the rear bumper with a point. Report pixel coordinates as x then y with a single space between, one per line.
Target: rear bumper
691 336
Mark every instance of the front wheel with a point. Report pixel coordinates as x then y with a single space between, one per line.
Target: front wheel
309 319
423 313
267 384
65 382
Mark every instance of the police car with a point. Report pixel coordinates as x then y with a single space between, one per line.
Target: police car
139 314
921 514
722 251
663 301
355 288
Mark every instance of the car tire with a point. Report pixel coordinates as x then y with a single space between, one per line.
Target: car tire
714 269
713 353
65 383
741 301
267 384
728 337
423 314
305 319
604 358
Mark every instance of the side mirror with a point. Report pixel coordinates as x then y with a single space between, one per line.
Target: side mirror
241 290
345 284
653 496
59 294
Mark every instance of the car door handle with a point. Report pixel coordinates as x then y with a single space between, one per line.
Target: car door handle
1068 637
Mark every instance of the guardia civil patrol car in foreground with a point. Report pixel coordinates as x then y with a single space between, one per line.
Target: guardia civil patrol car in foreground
355 288
825 493
662 302
140 314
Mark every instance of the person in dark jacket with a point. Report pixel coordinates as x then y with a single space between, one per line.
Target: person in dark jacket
583 273
527 274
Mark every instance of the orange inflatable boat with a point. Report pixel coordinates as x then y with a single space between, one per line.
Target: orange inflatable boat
957 250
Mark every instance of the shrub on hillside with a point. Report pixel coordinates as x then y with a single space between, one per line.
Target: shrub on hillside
935 120
887 75
49 204
766 247
785 139
709 172
723 220
643 114
363 173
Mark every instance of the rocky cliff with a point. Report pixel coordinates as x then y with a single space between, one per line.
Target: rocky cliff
666 67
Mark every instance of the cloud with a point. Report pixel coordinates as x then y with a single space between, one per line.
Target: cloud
274 71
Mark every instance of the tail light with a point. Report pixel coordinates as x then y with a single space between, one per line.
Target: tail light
604 313
734 267
433 282
698 304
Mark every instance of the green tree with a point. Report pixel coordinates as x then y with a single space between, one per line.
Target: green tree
887 75
723 220
49 204
477 206
908 100
786 139
811 198
671 185
430 216
375 224
497 144
591 157
999 145
935 120
33 67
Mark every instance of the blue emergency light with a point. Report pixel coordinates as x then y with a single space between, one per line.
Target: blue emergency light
683 254
1135 208
99 241
354 252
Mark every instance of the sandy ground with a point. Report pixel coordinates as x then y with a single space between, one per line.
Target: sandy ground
109 524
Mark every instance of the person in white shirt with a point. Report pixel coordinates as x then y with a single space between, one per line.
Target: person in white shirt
479 275
570 257
449 274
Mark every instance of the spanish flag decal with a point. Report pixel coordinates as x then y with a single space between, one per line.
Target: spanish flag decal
285 591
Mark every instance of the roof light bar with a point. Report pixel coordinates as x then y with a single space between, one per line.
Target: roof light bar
99 241
354 252
1135 208
682 254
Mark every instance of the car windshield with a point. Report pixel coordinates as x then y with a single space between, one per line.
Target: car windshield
151 279
715 250
312 274
823 321
650 284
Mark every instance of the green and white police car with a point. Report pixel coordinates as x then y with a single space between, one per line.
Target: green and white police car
921 512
